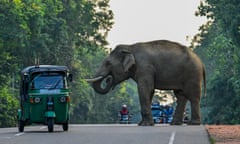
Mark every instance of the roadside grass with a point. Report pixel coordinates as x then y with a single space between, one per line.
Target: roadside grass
212 141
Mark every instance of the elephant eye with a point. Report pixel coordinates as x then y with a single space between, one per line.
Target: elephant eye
108 63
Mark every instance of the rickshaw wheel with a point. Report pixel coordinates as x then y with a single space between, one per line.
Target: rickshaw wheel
20 126
50 124
65 126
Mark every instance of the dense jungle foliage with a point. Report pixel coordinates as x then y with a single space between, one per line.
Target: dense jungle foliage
73 33
219 43
58 32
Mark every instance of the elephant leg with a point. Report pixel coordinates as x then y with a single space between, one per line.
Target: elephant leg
195 113
194 98
181 104
145 91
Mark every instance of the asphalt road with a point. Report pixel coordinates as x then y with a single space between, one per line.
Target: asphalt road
106 134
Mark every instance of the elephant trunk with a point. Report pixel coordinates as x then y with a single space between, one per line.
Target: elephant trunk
103 85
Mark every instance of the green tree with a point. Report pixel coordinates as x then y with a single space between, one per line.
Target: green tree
60 32
219 49
8 108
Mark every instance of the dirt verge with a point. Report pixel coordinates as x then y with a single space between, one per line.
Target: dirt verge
224 134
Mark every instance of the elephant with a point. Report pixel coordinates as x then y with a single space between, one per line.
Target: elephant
159 64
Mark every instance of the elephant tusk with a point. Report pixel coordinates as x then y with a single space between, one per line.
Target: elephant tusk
94 79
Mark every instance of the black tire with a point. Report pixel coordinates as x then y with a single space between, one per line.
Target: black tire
20 126
50 124
65 126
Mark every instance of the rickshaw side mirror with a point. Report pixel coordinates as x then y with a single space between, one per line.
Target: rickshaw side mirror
70 77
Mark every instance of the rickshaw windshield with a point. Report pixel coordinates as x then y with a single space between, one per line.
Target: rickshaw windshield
48 81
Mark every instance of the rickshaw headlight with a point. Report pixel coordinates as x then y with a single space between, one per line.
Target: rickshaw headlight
37 99
62 99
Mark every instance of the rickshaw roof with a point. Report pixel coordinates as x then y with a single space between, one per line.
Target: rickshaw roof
44 68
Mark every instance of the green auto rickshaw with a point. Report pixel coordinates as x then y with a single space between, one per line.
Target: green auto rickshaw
44 95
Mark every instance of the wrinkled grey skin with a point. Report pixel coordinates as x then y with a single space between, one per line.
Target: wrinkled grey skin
163 65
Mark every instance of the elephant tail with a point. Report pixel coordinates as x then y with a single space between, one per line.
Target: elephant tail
204 81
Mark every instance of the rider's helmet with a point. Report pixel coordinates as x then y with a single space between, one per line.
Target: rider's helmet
124 106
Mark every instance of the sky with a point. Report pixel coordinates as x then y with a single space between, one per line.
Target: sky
147 20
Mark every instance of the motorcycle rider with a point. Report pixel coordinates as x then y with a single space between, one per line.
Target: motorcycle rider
124 113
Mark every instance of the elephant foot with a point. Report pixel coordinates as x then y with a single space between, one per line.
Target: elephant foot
146 123
176 123
194 122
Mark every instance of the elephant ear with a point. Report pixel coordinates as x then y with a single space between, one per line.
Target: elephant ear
128 60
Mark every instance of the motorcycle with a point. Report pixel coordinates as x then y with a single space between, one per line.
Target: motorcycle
125 119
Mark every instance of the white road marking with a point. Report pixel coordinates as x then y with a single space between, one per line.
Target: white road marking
19 134
113 125
43 127
171 140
